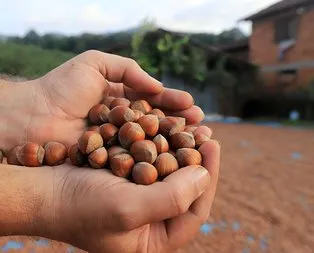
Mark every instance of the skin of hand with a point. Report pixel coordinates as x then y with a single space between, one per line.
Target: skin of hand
92 209
55 106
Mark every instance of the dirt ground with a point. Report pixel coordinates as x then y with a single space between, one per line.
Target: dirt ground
265 198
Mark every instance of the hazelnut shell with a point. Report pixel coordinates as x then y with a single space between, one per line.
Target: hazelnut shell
55 153
144 151
144 173
129 133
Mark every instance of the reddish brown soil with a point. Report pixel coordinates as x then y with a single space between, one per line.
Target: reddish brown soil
265 198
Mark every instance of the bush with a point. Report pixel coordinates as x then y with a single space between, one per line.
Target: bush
29 61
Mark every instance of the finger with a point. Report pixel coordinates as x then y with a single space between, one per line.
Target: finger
169 198
183 228
211 161
168 99
193 115
120 69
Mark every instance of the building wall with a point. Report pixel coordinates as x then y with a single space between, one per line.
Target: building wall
206 99
264 51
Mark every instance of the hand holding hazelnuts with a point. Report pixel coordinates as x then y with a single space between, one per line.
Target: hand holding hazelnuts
131 138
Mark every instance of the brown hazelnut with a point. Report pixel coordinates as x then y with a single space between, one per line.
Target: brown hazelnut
120 115
116 150
93 128
120 101
138 114
161 144
150 124
141 105
129 133
144 173
144 151
121 165
171 125
77 158
109 133
55 153
12 156
159 113
90 141
98 114
98 158
202 134
190 129
1 156
188 156
31 154
166 164
107 101
182 140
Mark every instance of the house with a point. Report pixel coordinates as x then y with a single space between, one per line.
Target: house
216 91
282 44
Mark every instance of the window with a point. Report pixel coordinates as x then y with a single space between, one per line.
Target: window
286 28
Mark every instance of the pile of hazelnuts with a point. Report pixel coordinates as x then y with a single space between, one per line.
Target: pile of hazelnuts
130 138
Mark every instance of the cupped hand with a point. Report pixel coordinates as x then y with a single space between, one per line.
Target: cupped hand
66 94
99 212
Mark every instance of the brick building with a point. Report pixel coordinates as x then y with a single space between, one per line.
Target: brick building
282 44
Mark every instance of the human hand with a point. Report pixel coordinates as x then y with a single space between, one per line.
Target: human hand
99 212
56 105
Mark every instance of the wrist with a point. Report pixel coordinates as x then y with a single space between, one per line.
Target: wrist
23 197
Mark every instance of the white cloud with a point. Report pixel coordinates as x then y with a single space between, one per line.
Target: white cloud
98 16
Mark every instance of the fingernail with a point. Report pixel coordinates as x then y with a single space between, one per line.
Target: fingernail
201 177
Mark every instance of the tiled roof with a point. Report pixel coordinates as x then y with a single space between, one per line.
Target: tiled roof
280 6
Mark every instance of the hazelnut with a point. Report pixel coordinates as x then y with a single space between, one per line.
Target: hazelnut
90 141
99 114
202 134
116 150
120 101
166 164
77 158
1 156
171 125
98 158
159 113
107 101
182 140
121 165
31 154
144 151
188 156
138 114
120 115
12 156
190 129
161 144
150 124
141 105
109 133
144 173
129 133
55 153
93 128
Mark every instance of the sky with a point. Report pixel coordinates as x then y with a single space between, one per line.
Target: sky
71 17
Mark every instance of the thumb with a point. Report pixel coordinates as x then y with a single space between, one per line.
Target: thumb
168 198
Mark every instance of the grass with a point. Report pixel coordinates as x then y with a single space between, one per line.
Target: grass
29 61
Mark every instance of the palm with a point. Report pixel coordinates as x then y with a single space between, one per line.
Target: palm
119 192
